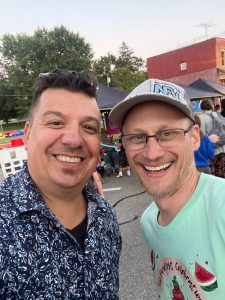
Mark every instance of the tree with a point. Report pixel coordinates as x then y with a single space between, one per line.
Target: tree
127 59
125 79
104 67
7 102
24 57
125 71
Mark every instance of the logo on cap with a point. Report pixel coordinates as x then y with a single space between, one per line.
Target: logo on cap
167 90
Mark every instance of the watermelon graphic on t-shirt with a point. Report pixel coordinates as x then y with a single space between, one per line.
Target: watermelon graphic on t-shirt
152 257
177 294
206 280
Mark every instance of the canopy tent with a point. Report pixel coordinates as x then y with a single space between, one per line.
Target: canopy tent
209 86
107 97
197 93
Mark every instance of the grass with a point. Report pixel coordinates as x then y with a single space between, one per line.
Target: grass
11 126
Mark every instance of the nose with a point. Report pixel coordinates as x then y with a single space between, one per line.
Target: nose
72 137
152 148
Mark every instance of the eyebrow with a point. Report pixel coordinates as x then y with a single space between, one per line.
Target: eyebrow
52 112
59 114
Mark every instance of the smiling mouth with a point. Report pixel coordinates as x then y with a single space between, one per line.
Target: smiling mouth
68 159
158 168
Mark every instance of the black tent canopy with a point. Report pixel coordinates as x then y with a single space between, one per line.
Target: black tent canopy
209 86
107 97
196 93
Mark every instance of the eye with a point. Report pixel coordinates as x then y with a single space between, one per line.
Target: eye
55 123
137 138
167 134
90 129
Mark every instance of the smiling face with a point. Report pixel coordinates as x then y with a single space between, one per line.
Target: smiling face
162 170
62 140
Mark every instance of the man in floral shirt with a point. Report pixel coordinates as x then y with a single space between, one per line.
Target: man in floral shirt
58 238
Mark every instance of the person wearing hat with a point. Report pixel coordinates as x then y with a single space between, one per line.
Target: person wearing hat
184 225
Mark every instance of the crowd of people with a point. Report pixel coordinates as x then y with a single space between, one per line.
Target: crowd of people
60 238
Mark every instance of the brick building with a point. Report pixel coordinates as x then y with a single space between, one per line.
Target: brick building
204 60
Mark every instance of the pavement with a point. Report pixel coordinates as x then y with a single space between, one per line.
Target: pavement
136 278
129 200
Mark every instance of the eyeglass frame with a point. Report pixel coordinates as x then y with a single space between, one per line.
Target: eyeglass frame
155 136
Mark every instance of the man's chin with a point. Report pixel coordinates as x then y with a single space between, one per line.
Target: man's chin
156 195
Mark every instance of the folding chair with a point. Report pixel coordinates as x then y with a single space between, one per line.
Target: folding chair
12 159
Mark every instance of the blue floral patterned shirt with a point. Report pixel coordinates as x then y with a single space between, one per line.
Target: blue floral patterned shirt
40 259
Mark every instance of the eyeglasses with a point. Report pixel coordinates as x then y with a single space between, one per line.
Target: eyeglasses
165 138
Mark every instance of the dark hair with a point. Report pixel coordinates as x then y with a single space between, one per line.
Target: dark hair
198 122
69 80
205 105
217 107
223 107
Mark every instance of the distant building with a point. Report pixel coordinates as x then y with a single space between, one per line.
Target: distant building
204 60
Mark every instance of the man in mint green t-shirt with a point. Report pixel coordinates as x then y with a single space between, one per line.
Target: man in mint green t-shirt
184 228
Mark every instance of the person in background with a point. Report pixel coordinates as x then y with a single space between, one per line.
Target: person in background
110 156
184 225
217 108
124 165
223 107
206 151
206 119
59 239
209 119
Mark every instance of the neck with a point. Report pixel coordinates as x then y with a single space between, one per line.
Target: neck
169 207
69 209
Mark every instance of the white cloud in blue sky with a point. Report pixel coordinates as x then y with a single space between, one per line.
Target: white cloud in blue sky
148 27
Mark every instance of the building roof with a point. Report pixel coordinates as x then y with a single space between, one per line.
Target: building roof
195 93
209 86
107 96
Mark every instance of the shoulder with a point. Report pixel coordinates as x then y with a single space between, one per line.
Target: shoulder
205 116
149 214
213 189
6 190
99 206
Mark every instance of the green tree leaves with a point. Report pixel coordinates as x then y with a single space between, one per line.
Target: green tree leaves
24 57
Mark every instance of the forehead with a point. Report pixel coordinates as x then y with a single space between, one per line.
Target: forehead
153 112
68 103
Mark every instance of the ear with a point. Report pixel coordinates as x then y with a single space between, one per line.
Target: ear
27 130
196 137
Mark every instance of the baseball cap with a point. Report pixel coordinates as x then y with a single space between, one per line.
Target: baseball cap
152 90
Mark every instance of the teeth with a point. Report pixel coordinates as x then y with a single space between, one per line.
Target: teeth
158 168
68 159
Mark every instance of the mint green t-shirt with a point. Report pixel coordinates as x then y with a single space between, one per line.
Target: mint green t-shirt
188 255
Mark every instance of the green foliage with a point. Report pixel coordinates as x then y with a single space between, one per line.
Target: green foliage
125 79
127 59
125 71
104 67
8 108
24 57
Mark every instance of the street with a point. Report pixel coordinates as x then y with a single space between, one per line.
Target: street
136 281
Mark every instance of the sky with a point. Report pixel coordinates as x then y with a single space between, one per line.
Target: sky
148 27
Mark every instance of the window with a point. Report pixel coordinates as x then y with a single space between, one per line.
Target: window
223 58
183 66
